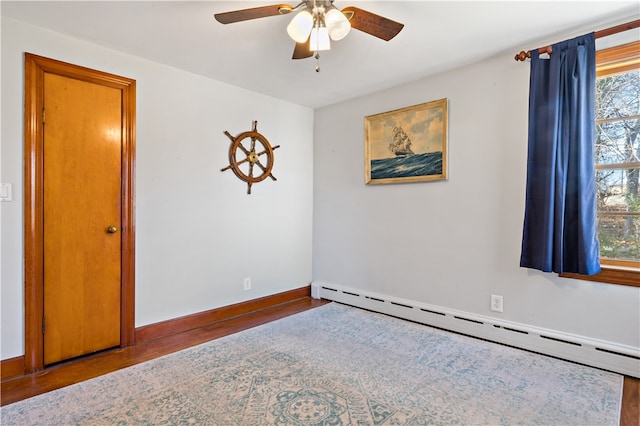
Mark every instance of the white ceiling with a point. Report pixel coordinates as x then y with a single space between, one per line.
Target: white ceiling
256 54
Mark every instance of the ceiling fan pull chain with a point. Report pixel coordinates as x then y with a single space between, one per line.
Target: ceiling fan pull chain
317 62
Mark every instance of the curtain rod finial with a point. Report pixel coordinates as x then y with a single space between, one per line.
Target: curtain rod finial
522 56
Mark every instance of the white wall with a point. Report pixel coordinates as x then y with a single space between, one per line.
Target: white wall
198 232
451 243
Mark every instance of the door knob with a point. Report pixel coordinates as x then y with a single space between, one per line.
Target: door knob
112 229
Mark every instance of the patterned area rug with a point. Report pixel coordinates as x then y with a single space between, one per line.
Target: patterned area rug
336 365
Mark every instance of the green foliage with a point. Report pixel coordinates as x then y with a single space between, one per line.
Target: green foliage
616 240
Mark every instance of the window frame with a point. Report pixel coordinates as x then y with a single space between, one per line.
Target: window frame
615 60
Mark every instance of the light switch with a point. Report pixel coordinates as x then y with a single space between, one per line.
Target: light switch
5 192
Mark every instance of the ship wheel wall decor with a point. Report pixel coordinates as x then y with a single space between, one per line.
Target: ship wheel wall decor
245 157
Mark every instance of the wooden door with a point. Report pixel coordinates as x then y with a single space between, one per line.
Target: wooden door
79 223
82 160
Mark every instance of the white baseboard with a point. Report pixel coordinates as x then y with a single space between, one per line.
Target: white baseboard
596 353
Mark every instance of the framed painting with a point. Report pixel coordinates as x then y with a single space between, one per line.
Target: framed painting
406 145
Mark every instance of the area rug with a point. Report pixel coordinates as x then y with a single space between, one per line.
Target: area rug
336 365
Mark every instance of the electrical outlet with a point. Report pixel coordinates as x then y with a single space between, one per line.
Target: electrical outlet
247 283
496 303
5 192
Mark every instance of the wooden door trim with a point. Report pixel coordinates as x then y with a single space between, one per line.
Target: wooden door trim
35 67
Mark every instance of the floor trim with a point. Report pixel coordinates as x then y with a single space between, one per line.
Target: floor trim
193 321
11 367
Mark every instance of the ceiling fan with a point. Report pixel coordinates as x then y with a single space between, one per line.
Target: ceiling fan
318 21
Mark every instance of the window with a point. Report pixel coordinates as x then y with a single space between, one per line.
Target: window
617 151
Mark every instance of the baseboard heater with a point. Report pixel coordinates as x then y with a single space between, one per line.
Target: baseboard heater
596 353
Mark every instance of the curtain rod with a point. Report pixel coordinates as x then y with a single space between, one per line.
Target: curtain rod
602 33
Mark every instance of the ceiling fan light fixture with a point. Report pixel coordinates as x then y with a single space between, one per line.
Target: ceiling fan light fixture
319 39
337 24
300 26
317 22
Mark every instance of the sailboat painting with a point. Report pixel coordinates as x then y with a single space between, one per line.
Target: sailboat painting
407 145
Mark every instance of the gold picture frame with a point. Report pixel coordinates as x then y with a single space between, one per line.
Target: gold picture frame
407 144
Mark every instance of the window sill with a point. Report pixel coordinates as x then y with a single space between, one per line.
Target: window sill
610 275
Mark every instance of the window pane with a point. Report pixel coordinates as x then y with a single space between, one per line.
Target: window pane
618 95
617 155
618 142
619 237
618 190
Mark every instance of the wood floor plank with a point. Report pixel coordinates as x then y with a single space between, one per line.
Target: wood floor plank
630 413
75 371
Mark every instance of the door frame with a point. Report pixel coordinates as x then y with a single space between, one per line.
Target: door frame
35 67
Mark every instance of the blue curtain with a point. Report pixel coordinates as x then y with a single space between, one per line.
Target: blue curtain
560 229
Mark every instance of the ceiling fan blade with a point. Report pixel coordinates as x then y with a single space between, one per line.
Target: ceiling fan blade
252 13
302 50
373 24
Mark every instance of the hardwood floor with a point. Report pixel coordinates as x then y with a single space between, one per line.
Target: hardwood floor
65 374
630 414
